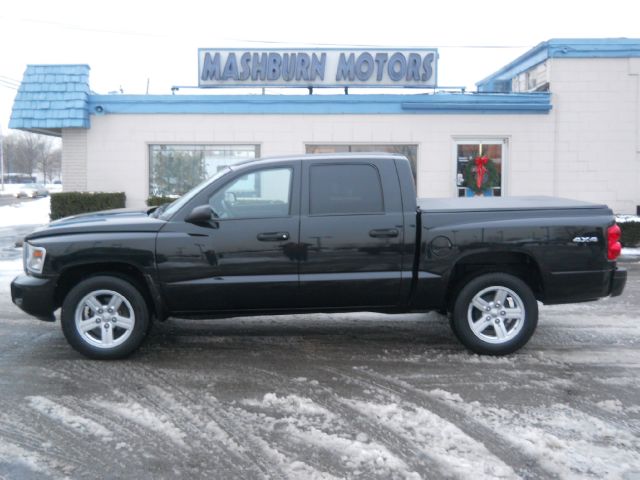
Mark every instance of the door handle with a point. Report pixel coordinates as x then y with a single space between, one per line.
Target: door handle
384 233
273 236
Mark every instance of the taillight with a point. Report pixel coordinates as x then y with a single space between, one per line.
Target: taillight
613 242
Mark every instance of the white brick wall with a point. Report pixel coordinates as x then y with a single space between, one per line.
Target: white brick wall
586 148
117 145
597 107
74 159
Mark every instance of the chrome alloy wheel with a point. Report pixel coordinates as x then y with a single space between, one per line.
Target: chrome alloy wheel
104 318
496 314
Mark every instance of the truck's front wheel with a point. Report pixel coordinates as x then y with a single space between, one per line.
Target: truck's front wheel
105 317
495 314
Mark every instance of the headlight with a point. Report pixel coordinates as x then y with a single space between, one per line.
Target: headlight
34 258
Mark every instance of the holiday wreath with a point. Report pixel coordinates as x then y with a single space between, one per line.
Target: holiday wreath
481 174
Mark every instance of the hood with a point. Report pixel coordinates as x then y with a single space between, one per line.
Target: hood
119 220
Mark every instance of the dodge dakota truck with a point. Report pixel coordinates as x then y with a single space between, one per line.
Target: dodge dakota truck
321 233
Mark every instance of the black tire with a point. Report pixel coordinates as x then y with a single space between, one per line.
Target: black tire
499 330
128 324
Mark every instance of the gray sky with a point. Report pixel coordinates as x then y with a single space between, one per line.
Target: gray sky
128 42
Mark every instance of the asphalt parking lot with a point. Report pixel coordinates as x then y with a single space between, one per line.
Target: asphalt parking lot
324 396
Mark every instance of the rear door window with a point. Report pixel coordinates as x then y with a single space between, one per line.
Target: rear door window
345 190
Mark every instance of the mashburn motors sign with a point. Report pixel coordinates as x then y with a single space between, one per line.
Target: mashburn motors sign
317 68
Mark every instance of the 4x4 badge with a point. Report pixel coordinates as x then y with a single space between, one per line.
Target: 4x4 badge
585 240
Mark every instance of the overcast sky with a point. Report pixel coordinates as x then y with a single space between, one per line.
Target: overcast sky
128 42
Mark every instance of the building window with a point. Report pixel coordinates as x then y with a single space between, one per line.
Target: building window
409 151
479 167
175 169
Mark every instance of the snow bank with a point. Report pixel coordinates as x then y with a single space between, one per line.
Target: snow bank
627 218
35 212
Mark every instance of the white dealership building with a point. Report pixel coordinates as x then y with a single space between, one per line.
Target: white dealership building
563 119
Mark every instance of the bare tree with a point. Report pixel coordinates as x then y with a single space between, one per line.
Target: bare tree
52 165
29 153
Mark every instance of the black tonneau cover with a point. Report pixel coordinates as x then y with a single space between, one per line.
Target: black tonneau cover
476 204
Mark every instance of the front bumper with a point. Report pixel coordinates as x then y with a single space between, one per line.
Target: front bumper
35 296
618 281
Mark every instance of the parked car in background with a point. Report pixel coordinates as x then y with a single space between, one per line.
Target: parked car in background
32 190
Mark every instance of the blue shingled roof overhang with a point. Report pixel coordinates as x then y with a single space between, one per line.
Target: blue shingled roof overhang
52 97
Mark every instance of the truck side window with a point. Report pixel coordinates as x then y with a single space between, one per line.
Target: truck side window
259 194
345 189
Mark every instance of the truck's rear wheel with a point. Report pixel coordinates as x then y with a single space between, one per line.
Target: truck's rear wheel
105 317
495 314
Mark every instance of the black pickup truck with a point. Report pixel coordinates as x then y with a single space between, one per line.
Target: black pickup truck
320 233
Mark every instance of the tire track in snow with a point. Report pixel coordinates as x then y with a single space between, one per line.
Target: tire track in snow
49 443
567 382
76 411
23 464
264 446
58 412
524 465
303 428
402 447
16 349
567 441
249 448
159 412
123 426
397 429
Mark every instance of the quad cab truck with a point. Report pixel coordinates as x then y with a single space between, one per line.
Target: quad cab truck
321 233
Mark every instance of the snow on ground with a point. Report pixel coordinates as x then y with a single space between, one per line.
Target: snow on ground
567 441
8 271
62 414
450 447
35 212
10 189
341 396
137 413
326 396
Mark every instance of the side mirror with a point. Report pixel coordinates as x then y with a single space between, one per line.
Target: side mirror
201 214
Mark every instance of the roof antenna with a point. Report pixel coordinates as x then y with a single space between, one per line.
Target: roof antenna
147 86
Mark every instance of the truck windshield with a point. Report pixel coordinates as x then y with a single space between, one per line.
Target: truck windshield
170 210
